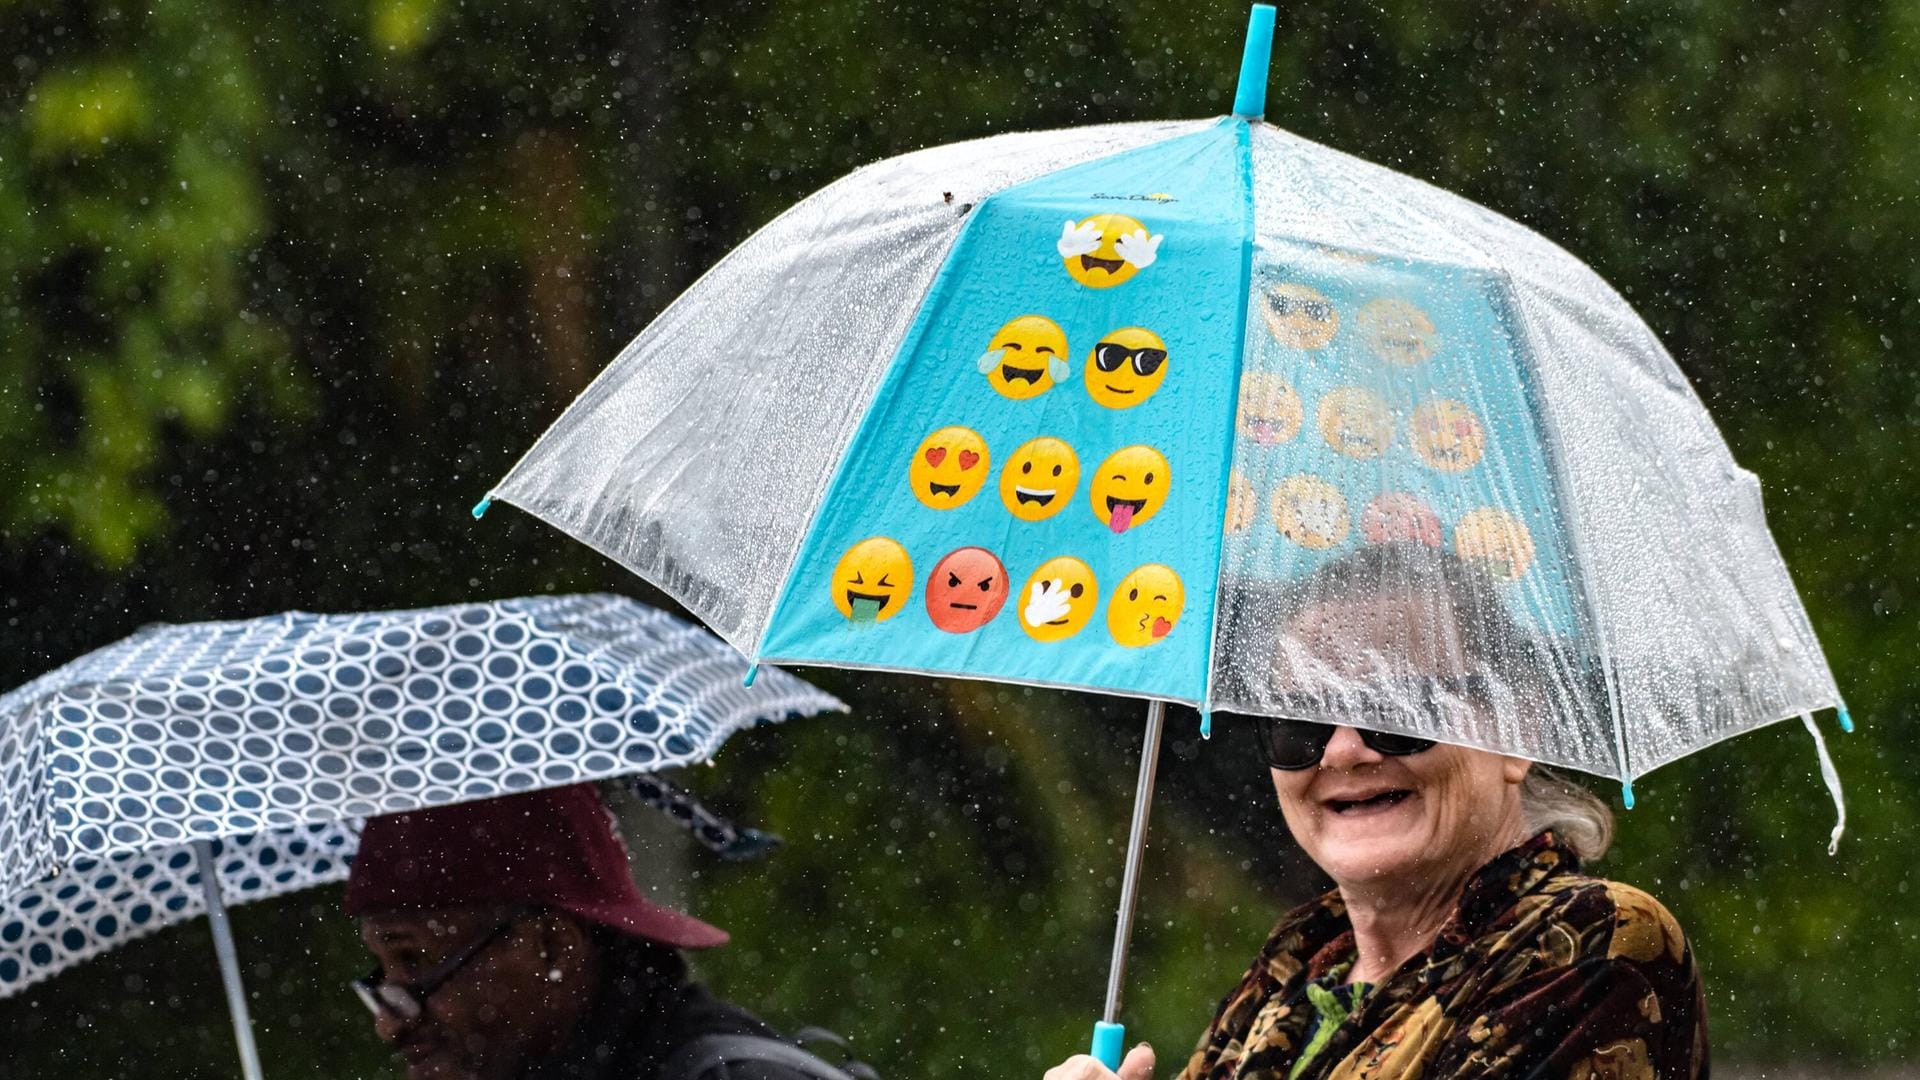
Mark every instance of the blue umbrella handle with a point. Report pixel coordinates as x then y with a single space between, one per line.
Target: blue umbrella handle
1108 1041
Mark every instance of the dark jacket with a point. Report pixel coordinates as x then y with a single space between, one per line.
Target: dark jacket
646 1013
1542 972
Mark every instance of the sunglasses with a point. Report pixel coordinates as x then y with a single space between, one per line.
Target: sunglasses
1108 356
408 1001
1293 745
1283 305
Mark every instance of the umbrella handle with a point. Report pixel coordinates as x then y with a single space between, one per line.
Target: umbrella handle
1108 1040
1109 1034
229 960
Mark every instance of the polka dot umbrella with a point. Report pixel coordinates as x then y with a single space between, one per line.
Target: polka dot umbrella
1197 412
193 766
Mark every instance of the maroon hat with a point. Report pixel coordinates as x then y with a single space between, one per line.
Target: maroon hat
556 848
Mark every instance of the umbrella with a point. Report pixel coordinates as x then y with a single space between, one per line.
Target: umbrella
1082 408
193 766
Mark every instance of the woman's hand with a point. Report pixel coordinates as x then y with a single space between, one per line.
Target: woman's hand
1137 1066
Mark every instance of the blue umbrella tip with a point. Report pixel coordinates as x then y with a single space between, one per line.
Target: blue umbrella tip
1206 724
1845 718
1250 96
753 672
1626 793
480 508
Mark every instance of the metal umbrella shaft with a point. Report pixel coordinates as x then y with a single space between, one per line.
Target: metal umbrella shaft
229 960
1109 1033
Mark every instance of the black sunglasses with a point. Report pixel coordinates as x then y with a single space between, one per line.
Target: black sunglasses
1299 744
1108 356
408 1001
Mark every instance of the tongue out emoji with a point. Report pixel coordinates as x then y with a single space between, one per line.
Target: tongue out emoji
1122 515
1129 487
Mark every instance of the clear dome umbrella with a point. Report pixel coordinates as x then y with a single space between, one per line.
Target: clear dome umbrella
1136 408
194 766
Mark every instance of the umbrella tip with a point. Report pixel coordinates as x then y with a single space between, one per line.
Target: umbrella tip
1626 793
1250 98
480 508
1846 719
753 672
1206 723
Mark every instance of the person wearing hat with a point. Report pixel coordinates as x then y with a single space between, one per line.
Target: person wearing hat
512 944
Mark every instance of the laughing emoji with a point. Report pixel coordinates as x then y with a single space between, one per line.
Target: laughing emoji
872 580
1146 606
1396 331
1039 478
1355 422
1126 367
1106 249
1130 487
1026 357
949 467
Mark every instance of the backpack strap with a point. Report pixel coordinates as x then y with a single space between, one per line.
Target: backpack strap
703 1055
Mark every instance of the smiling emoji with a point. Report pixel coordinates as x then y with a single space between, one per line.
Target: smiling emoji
1299 315
1146 606
1270 410
1038 480
1058 599
1310 512
1494 540
949 467
1026 357
1106 249
1396 331
1130 487
966 590
1126 367
872 580
1355 422
1447 435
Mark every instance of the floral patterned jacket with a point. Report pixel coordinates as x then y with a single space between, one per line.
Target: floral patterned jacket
1541 972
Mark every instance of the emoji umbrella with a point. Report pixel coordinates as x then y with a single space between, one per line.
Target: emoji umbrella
1093 408
191 766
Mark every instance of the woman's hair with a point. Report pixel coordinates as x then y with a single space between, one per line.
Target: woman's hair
1550 799
1492 641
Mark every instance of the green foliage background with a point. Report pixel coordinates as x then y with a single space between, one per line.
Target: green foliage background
284 286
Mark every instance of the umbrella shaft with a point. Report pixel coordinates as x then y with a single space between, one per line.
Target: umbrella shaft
229 959
1136 847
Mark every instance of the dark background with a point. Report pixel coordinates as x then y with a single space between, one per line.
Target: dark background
284 287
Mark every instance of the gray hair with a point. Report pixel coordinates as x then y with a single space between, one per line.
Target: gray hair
1550 799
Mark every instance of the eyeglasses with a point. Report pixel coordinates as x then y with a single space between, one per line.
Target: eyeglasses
1299 744
1108 356
408 1001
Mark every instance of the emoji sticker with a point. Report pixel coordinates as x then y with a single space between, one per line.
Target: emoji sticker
1145 606
1398 516
966 590
949 467
1494 540
1241 503
872 580
1129 487
1057 602
1447 435
1026 357
1299 315
1270 410
1038 480
1355 422
1310 512
1126 367
1106 249
1396 331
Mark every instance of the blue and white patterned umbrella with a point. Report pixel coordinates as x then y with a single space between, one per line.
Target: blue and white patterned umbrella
256 747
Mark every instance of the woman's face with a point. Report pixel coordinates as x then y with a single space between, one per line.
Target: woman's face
1368 818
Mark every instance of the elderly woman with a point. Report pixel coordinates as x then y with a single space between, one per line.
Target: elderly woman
1461 938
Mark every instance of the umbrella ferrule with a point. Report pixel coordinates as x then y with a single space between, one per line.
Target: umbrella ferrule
1250 98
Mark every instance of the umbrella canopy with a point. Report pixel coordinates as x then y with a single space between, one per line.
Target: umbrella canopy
1131 380
271 738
